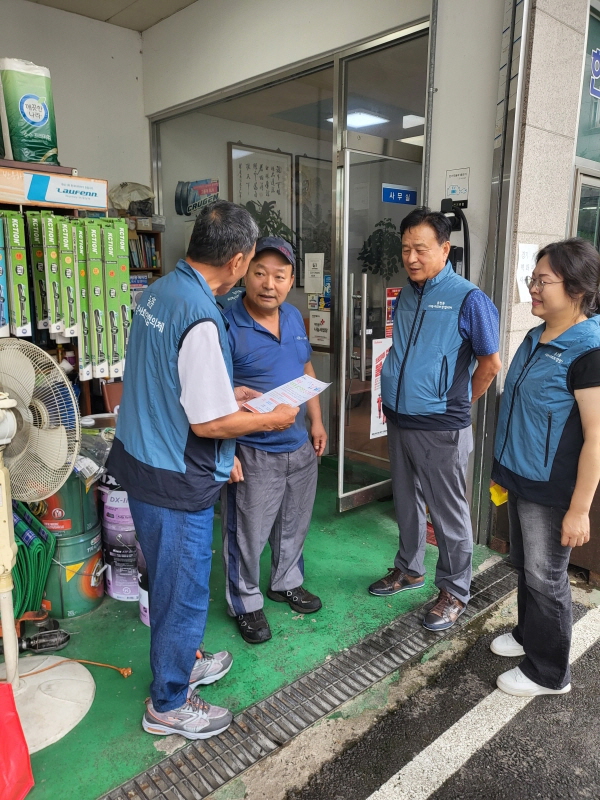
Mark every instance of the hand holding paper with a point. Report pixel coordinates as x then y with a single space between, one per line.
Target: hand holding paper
293 393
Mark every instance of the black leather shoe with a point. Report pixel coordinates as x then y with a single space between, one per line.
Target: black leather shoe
298 599
254 627
444 613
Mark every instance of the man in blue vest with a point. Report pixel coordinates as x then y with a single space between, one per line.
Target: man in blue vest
174 450
269 347
443 358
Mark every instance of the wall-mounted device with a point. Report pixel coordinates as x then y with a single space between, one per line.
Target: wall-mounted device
459 256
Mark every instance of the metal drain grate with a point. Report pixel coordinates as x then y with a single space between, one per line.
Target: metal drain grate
203 766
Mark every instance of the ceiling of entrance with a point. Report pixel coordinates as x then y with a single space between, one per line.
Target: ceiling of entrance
135 14
389 83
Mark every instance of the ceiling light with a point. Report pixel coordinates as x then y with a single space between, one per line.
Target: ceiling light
418 140
238 153
412 121
362 119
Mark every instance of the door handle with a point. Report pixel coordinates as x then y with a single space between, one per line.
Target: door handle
363 327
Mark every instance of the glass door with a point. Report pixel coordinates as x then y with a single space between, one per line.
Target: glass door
380 142
378 193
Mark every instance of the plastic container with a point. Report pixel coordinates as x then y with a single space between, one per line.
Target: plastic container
116 508
143 586
75 584
120 556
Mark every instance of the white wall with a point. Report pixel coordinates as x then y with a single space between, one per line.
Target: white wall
194 146
464 108
210 45
96 72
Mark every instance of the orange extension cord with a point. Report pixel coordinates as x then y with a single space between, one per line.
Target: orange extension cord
125 671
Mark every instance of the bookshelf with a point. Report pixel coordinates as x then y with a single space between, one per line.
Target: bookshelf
145 252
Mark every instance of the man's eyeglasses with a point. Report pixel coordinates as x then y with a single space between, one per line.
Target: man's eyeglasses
532 283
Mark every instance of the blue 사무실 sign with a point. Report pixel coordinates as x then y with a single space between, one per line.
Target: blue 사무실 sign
391 193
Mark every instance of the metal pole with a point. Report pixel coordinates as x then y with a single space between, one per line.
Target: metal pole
431 90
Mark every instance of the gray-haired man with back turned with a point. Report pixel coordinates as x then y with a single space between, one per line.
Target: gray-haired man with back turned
173 451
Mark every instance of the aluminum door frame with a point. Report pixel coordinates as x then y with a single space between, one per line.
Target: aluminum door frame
374 491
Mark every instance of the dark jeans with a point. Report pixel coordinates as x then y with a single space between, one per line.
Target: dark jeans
177 546
545 615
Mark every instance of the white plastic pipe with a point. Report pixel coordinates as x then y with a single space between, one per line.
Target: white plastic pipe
9 639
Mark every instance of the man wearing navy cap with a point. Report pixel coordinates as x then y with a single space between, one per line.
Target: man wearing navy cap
274 502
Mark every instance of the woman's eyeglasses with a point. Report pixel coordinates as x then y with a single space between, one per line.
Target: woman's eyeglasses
532 283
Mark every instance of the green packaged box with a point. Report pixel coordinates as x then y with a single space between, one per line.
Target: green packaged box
38 274
69 283
52 273
113 296
85 352
4 324
96 299
18 281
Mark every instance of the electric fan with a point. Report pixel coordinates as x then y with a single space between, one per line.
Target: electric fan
39 442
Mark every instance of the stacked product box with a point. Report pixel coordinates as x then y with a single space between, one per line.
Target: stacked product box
52 274
38 275
97 310
4 324
69 279
18 279
116 290
85 351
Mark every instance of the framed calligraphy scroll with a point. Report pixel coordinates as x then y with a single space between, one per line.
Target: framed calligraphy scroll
258 176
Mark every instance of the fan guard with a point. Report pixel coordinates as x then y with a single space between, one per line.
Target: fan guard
41 456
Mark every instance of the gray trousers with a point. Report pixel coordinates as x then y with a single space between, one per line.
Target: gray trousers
429 469
273 503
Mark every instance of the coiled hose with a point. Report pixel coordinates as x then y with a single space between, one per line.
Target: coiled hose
35 548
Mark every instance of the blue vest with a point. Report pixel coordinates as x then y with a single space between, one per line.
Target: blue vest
426 377
539 435
156 456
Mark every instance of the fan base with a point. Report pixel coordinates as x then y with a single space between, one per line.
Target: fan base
52 703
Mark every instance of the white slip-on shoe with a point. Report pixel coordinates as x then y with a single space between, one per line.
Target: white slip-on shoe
517 683
506 645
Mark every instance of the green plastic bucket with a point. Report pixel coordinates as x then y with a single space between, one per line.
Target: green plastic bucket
75 585
71 511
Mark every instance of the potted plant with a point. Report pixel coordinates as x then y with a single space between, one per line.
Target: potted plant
381 253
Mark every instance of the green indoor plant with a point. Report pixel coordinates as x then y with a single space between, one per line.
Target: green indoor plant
381 253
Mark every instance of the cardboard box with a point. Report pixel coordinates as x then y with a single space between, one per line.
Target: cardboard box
38 274
4 324
69 283
18 280
85 352
95 278
52 274
143 223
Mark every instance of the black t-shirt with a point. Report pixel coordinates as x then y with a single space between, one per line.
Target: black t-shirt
585 372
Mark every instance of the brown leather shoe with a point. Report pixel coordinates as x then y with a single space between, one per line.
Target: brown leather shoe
395 581
444 613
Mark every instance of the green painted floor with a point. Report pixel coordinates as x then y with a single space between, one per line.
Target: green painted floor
343 554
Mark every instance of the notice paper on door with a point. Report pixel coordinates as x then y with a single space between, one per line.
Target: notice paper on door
294 393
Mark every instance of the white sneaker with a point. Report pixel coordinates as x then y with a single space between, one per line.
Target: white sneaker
506 645
516 683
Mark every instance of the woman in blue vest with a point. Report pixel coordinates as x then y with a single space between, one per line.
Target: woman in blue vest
547 455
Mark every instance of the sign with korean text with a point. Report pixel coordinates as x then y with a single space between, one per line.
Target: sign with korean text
457 186
394 193
391 298
380 349
319 332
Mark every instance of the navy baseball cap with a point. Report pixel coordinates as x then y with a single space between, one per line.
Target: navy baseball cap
279 244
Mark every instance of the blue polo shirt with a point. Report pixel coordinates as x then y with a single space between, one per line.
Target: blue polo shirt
263 362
